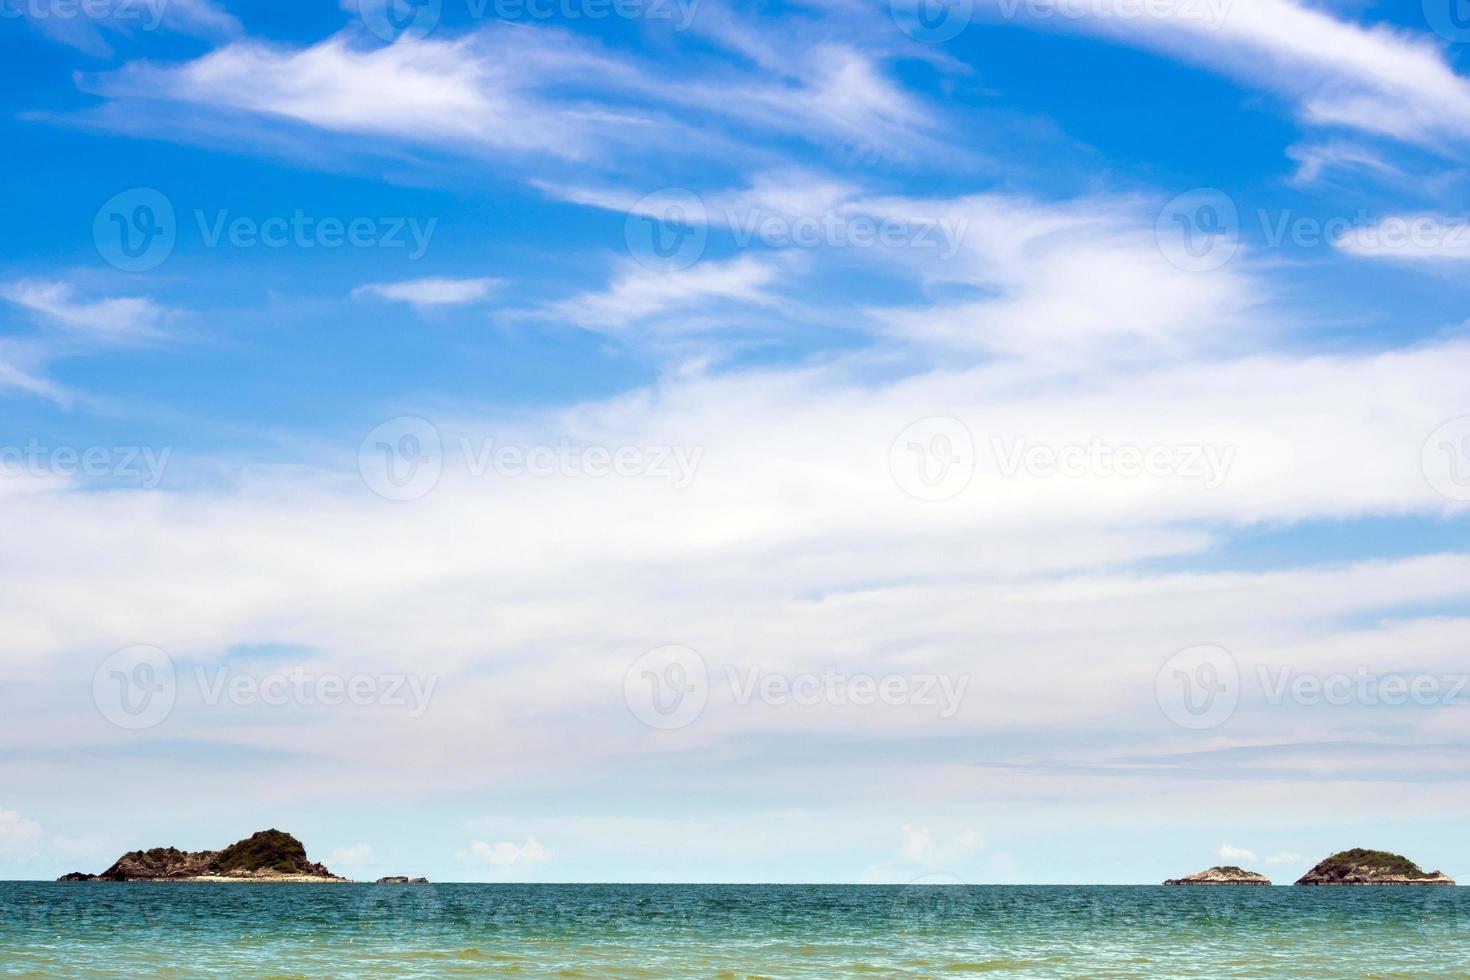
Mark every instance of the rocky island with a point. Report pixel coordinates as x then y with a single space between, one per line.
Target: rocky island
1227 874
270 855
1360 866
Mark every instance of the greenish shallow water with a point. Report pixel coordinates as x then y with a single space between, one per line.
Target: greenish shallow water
185 930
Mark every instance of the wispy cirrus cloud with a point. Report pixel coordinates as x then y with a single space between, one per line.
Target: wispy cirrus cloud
88 26
432 291
20 368
116 320
676 301
517 89
1420 238
71 325
466 93
1317 161
1378 79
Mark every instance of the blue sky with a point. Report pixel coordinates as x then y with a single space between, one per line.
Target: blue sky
607 393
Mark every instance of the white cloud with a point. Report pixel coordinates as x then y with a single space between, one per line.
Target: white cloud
479 91
1380 79
1076 281
1410 238
639 294
203 18
19 369
505 88
829 89
114 320
432 291
922 846
507 853
1235 855
787 193
1316 160
1087 278
1284 857
356 856
918 844
797 544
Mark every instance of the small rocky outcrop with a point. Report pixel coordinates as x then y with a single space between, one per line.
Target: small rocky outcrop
1225 874
1360 866
270 855
402 880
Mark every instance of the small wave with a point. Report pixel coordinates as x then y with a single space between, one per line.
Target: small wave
995 966
468 953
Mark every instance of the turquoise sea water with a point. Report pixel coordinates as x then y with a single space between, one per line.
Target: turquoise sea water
186 930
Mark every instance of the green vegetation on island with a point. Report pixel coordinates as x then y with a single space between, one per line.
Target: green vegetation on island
1361 866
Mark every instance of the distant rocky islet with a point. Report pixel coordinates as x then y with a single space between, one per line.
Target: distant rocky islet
1358 866
267 856
1227 874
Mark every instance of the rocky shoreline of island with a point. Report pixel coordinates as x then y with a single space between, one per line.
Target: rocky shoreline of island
268 856
1227 874
1356 867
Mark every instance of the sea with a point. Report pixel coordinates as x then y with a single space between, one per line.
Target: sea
293 930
